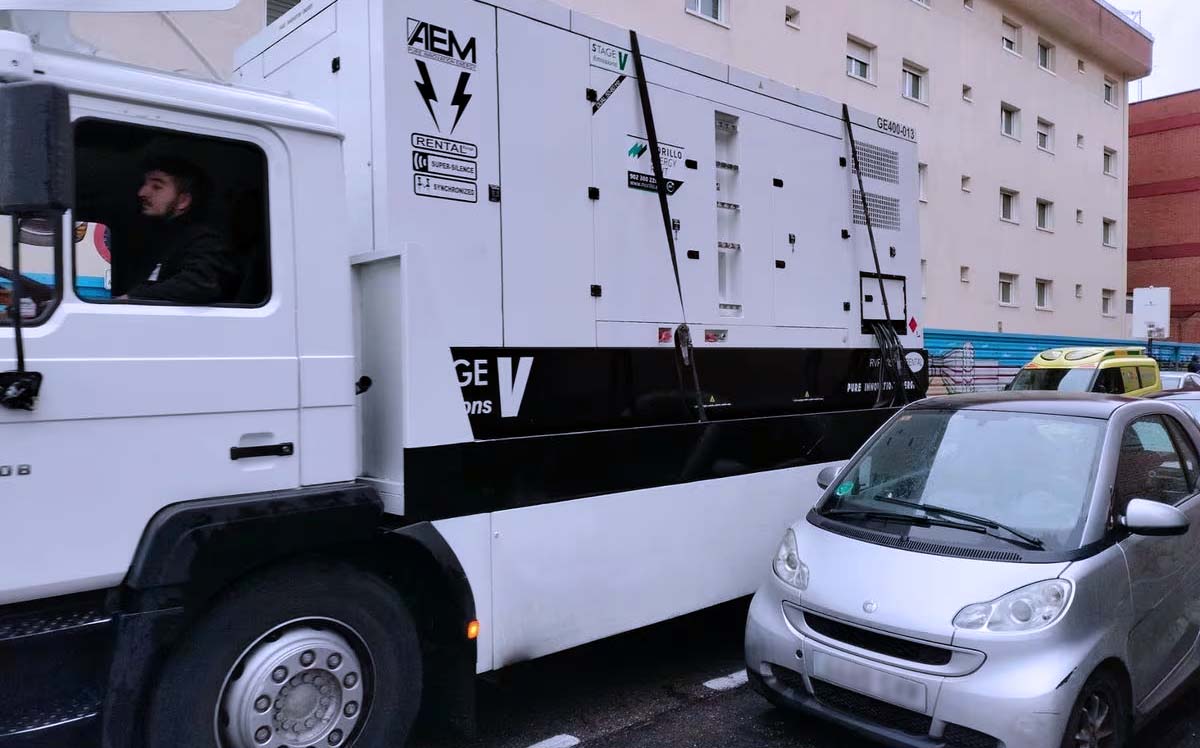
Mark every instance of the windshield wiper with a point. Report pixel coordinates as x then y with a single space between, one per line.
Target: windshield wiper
906 518
1036 542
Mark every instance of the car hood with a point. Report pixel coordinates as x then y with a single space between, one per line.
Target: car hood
914 594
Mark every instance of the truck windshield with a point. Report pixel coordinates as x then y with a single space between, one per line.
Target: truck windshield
1031 472
1063 380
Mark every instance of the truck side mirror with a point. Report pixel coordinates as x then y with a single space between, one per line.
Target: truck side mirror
37 165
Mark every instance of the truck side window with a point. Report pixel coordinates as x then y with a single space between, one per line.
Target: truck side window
165 217
41 268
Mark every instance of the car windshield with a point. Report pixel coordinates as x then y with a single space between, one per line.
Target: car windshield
1063 380
1028 471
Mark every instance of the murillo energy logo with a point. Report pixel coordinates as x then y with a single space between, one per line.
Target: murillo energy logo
638 150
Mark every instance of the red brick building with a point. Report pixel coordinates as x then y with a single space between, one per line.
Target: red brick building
1164 204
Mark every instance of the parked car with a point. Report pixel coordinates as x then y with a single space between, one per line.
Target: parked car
1115 371
1013 568
1179 380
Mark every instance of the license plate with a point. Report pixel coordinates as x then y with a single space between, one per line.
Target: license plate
865 680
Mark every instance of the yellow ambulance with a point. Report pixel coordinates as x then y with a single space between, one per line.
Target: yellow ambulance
1116 371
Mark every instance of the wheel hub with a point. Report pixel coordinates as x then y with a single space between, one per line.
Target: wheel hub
301 685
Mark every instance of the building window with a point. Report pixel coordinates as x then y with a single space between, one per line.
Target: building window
1010 120
1079 290
713 10
966 183
1046 55
1110 91
1082 66
1110 162
1079 140
1045 135
915 82
791 16
859 56
1045 215
964 273
1008 289
968 93
1078 215
1008 205
1010 37
969 4
1129 302
1110 232
1044 298
922 178
1106 301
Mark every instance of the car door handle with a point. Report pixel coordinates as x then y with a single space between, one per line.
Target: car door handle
286 449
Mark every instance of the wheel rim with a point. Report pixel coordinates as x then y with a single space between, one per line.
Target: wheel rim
1095 723
304 683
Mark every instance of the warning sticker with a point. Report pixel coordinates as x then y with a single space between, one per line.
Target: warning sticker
445 189
433 163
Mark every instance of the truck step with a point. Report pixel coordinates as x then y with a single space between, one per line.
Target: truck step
51 722
39 624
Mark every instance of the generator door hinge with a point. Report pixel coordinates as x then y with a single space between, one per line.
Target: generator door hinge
845 233
593 193
335 64
593 95
494 193
597 292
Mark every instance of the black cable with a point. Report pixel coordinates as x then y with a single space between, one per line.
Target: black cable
891 350
683 335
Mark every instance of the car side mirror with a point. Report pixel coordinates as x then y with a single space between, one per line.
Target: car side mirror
1146 517
829 474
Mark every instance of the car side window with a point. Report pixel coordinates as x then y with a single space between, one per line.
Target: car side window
1183 443
1149 467
1109 381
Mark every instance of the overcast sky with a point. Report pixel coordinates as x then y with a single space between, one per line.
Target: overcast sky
1175 25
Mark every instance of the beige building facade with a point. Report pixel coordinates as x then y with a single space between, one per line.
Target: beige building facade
1019 107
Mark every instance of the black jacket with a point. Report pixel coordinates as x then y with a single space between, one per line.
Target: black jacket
195 266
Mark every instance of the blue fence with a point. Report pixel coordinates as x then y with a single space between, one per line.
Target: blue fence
968 361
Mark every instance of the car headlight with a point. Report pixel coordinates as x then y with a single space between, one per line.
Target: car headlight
1027 609
788 565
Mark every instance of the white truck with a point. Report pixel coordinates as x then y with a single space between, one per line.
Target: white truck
541 334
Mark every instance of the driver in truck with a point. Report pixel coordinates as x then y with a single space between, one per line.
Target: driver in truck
191 263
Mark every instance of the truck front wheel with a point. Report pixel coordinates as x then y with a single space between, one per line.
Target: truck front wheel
320 654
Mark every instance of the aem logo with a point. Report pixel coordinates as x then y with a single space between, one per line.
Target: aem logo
8 471
427 40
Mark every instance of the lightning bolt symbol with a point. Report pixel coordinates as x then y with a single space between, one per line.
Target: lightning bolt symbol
461 97
425 86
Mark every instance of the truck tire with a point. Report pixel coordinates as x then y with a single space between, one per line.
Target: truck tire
314 654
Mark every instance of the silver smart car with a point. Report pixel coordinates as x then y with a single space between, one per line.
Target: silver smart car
1017 570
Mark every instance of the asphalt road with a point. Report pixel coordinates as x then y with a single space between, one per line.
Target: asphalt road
647 689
